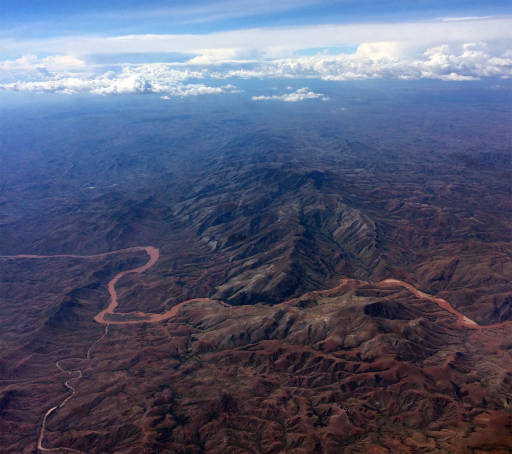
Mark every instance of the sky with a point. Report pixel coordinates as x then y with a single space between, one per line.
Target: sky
192 48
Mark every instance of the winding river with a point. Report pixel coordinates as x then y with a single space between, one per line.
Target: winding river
109 316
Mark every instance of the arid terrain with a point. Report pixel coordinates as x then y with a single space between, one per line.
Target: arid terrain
306 280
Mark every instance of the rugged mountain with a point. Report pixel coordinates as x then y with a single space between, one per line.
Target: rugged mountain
258 217
359 368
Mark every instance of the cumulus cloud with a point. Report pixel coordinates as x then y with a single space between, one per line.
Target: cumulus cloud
372 60
299 95
202 89
197 90
132 79
133 83
468 61
51 63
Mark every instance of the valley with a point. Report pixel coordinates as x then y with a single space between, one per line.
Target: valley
227 279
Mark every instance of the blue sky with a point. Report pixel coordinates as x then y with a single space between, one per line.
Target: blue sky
203 47
47 18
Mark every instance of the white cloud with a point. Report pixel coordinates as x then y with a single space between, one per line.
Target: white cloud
460 48
132 79
387 59
225 55
197 89
299 95
454 76
467 62
275 42
51 63
133 83
464 18
31 68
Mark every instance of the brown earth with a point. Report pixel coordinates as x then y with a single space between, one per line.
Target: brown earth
295 354
264 211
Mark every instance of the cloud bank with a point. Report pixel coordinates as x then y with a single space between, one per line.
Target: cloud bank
299 95
130 79
468 61
273 42
66 74
440 50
